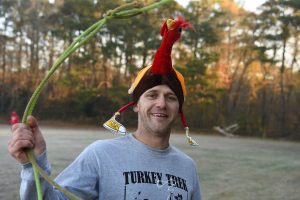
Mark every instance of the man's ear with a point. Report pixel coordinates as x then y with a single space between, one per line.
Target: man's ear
135 108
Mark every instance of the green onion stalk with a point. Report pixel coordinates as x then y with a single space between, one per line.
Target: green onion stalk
123 12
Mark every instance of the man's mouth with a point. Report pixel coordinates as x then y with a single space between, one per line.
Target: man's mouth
160 115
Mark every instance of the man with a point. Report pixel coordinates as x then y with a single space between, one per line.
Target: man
142 165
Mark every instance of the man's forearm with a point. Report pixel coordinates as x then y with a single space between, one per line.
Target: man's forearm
28 187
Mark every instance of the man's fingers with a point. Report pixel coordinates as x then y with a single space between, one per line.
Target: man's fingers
14 127
19 146
26 135
18 154
19 126
22 139
22 132
32 122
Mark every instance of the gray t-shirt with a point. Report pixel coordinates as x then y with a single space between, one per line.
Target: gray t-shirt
121 169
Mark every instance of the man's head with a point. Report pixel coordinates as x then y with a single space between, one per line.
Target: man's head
157 110
150 80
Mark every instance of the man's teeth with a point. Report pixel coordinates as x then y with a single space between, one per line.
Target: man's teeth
160 115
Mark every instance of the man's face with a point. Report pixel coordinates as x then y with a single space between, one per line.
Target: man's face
157 110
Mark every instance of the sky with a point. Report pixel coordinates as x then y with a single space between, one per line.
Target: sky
250 5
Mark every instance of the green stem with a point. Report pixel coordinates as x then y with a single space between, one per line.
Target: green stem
123 7
121 12
36 174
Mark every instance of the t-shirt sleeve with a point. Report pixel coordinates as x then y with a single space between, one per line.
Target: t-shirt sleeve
80 178
28 188
197 191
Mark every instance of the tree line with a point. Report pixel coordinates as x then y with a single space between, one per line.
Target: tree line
239 66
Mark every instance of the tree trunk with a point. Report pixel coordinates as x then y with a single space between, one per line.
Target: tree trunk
263 112
93 81
145 54
296 51
51 52
236 94
105 79
3 65
282 115
69 64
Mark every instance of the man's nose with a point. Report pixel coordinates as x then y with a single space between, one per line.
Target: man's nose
161 102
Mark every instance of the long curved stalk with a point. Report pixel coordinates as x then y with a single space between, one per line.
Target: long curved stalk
122 12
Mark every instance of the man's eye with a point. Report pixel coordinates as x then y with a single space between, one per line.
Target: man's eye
172 98
151 95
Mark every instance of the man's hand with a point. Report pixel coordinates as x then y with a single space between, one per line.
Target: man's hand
24 137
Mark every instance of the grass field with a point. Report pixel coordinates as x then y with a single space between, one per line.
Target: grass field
229 168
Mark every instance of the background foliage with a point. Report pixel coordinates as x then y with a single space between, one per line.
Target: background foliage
240 67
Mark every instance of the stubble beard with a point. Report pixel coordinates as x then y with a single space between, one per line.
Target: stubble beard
154 127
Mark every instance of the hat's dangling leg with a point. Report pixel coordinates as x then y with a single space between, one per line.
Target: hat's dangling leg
190 140
113 125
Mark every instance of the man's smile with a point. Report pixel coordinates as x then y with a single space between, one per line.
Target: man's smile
161 115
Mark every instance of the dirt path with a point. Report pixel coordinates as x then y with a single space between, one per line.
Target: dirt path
229 168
